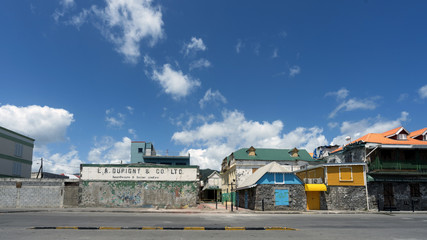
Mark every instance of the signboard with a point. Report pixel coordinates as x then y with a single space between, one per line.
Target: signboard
132 173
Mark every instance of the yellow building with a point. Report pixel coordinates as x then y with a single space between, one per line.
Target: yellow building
328 184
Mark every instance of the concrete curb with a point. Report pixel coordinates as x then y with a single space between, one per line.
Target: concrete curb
170 228
191 211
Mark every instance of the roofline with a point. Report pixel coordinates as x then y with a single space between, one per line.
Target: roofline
421 134
404 146
13 132
398 132
138 142
246 187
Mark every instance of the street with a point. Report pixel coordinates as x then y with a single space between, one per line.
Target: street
309 226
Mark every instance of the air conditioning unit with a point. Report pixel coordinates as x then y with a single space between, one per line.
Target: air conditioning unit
313 180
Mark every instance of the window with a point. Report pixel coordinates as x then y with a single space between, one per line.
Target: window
140 150
279 178
346 174
401 136
415 190
16 169
18 149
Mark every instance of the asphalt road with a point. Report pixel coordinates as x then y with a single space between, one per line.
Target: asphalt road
318 226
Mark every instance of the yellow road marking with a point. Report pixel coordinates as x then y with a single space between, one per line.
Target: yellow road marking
194 228
152 228
110 228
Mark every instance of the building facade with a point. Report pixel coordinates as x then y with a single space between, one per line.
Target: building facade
138 185
397 167
143 152
244 162
272 187
16 154
335 186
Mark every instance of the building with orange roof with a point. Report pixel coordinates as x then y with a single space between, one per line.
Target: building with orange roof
397 167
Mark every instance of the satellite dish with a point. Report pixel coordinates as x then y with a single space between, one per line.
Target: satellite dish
348 138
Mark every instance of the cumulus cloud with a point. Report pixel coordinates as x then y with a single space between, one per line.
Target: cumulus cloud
360 128
44 124
423 92
107 150
209 143
212 97
57 162
125 24
201 63
196 44
175 82
294 70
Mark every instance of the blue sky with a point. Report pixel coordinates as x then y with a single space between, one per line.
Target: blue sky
85 78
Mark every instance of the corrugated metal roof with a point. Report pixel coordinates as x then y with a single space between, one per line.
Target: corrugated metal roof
272 167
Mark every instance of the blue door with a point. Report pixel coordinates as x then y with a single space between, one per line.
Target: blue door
281 197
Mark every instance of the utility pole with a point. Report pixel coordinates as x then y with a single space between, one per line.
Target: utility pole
40 169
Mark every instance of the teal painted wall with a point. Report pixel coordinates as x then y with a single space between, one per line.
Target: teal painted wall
269 178
136 156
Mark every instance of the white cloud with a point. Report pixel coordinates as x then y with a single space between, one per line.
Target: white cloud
174 82
57 162
109 151
257 48
65 6
212 142
369 125
423 92
275 53
114 121
130 109
201 63
294 70
239 46
133 133
126 24
212 97
402 97
351 104
44 124
354 104
196 44
340 94
333 124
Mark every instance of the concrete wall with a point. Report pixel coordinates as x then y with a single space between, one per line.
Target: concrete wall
34 193
344 198
297 199
138 194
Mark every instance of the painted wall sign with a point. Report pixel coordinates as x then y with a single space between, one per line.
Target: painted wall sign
121 173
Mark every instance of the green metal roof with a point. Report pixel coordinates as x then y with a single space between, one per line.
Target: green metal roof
272 155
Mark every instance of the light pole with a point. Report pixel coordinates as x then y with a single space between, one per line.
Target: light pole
231 193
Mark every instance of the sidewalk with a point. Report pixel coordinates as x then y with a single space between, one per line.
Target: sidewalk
203 208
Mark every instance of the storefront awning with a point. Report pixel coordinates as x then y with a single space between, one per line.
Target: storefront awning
315 187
